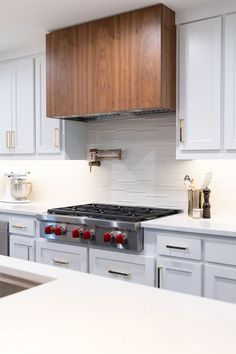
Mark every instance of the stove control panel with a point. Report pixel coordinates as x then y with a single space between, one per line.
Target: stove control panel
93 235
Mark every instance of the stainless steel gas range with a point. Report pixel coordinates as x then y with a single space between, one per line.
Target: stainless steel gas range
99 225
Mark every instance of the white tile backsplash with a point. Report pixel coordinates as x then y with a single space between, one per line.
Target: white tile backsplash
148 174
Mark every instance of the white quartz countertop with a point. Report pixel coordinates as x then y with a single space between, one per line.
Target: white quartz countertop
79 313
221 225
31 209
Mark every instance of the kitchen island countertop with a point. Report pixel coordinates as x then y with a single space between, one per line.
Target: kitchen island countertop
79 313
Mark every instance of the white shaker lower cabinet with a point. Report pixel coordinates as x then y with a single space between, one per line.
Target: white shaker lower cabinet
62 255
180 276
179 263
22 247
22 237
220 276
220 283
132 268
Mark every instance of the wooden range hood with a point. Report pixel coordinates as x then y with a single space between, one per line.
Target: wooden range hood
120 65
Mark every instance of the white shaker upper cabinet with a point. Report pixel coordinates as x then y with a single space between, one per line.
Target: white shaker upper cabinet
200 86
23 118
48 132
230 83
5 107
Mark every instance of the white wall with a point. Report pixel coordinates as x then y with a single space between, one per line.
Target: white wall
148 173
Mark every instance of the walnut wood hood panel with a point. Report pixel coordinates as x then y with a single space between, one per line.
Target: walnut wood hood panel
124 64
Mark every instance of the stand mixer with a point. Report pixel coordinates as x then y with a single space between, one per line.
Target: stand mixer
18 187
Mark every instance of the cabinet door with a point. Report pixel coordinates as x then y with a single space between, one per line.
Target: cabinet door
200 85
131 268
23 117
48 135
183 277
220 283
62 255
230 83
5 107
22 247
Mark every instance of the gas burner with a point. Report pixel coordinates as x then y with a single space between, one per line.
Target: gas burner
108 226
113 212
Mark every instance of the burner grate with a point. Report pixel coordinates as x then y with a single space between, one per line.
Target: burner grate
113 212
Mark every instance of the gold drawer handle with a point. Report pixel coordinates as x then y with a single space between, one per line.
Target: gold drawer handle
13 139
20 227
8 145
53 260
55 134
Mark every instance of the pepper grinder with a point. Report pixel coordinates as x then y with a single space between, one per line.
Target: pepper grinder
206 204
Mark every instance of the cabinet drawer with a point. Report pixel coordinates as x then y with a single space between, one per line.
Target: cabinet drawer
60 255
180 276
220 252
220 283
179 247
22 226
22 247
131 268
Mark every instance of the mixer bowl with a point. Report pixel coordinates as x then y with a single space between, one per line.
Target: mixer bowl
21 189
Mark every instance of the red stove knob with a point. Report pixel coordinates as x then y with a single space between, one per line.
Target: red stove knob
108 237
76 233
87 234
49 229
120 239
59 230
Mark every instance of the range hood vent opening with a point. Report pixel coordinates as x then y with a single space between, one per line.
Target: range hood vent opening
100 117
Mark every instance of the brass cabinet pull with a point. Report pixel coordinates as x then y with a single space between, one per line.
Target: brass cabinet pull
118 273
53 260
56 132
20 227
13 139
181 130
8 139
